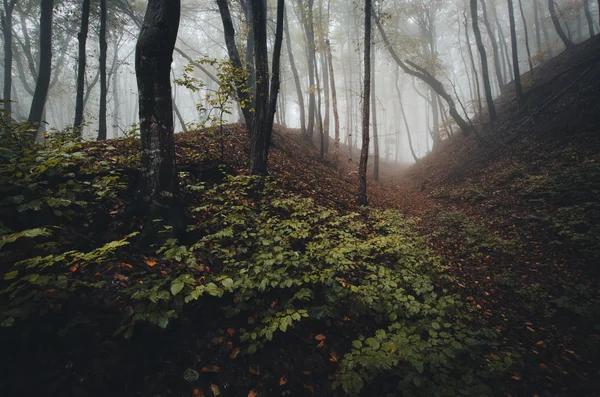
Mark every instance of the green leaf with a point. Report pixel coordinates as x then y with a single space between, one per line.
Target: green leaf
11 275
163 322
176 287
191 375
373 343
357 344
227 283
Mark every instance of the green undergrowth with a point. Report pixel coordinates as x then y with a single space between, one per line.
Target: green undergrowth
284 276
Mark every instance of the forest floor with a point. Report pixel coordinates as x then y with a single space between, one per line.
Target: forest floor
513 217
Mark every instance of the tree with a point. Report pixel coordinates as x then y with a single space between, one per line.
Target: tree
364 153
81 63
374 119
484 64
153 58
296 76
495 51
559 30
515 52
103 84
423 75
336 117
45 66
529 60
6 19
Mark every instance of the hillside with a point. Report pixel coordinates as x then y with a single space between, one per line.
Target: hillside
474 272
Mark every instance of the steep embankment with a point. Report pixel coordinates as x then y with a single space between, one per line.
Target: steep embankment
518 219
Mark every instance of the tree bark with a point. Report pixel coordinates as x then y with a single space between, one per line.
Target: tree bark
484 64
326 122
296 78
364 153
45 67
427 78
7 17
473 66
153 58
526 37
495 52
234 57
103 83
559 30
81 64
537 23
374 119
588 17
336 117
515 52
410 144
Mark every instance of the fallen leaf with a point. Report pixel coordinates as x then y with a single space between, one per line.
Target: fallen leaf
215 389
151 263
282 380
320 337
310 388
255 371
234 353
516 377
252 393
211 368
333 358
541 342
307 372
230 331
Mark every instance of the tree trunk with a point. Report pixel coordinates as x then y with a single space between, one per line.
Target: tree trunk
515 52
473 66
484 64
153 58
318 115
244 98
45 67
82 39
102 112
537 23
559 30
326 95
410 144
296 79
503 47
588 17
310 58
336 117
8 54
495 52
260 136
428 79
364 154
115 90
374 118
529 60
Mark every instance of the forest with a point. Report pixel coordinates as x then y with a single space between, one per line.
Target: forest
300 198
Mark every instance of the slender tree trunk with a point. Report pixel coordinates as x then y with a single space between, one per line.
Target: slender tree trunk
115 90
503 47
82 39
473 66
336 117
153 58
7 18
249 57
410 144
318 115
515 52
296 80
364 154
588 17
374 118
310 56
484 64
495 51
559 30
529 60
45 66
537 23
102 113
326 96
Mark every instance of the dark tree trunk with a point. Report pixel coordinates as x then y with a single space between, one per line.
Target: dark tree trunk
103 83
484 64
43 80
427 78
82 39
374 118
234 57
115 90
473 66
8 54
153 57
503 47
310 53
515 52
559 30
529 60
495 52
318 115
249 62
364 153
336 117
296 79
326 96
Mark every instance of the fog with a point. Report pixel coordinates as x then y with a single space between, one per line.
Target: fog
429 33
